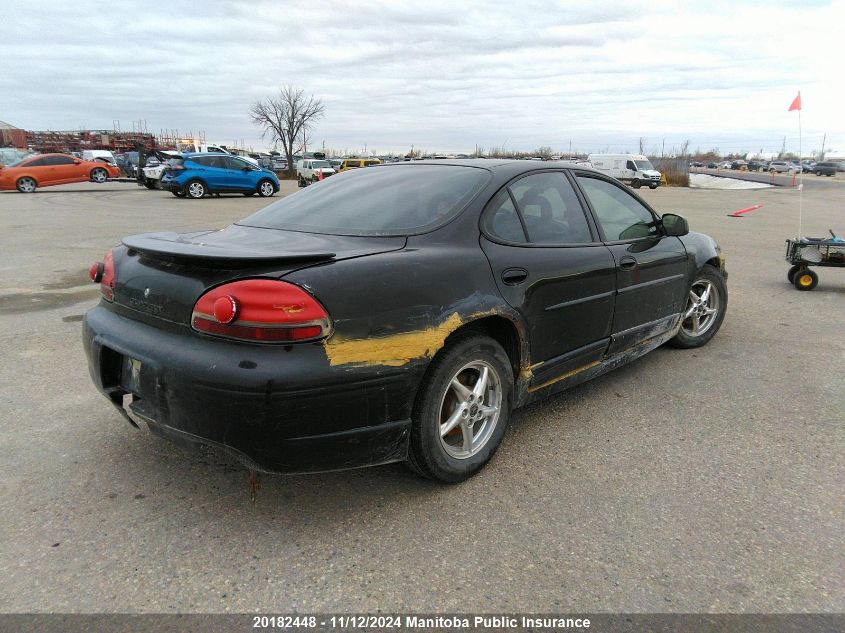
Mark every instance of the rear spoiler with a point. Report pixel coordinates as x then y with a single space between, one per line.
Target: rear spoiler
190 248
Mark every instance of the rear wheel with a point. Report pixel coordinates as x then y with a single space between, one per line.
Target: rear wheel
302 182
806 279
195 189
635 183
707 302
26 184
149 183
99 175
790 275
266 189
462 409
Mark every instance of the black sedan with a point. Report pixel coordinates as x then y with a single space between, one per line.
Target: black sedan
395 313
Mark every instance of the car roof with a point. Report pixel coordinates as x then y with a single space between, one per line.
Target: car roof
499 164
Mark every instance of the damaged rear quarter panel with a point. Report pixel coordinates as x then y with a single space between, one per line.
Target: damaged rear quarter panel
397 309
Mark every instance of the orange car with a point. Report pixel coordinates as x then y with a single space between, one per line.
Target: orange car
43 170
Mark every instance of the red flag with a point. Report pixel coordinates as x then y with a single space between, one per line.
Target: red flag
796 103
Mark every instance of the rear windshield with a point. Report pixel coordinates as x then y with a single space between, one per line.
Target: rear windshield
383 201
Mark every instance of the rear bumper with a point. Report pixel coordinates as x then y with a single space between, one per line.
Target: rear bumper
275 408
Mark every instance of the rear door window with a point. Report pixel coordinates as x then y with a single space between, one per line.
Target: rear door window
550 209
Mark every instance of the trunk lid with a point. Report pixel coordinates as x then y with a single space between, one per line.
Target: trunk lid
161 275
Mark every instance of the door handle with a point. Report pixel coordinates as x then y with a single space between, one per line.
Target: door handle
514 276
627 263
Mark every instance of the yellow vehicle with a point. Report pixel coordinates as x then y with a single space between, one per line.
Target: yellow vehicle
355 163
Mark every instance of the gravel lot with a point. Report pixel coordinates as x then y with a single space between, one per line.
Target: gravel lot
705 480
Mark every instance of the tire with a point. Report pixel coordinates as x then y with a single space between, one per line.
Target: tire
806 279
302 182
266 189
26 185
196 189
635 183
99 175
790 275
449 458
149 183
652 186
698 323
818 173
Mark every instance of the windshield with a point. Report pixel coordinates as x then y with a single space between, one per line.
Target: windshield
383 201
644 165
316 164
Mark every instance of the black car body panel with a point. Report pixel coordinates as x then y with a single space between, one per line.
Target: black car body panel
346 401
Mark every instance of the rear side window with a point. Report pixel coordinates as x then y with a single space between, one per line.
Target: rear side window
38 162
621 216
396 200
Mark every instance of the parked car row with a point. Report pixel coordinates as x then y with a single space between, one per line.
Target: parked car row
821 168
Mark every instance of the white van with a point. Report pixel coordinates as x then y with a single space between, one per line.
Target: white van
633 168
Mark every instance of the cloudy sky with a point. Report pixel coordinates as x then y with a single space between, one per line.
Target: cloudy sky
442 76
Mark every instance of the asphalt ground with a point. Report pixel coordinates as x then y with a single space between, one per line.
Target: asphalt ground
702 480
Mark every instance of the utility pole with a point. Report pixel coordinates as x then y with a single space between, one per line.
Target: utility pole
663 149
821 154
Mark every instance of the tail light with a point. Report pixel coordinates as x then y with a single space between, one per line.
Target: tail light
261 310
103 273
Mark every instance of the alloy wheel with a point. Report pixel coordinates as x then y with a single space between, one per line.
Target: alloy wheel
266 188
99 175
26 185
470 409
702 308
196 190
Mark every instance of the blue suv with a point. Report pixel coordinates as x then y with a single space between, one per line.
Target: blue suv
196 175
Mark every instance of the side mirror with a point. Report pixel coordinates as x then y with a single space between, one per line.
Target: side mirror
674 225
76 161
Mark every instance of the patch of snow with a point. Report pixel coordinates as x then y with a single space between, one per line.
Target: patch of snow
705 181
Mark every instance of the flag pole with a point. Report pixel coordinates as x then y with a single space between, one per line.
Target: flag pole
800 180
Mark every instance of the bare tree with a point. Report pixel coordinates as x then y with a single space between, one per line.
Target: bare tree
287 118
642 144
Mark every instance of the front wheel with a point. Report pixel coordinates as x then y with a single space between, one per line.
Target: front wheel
195 189
266 189
790 274
462 409
26 184
707 302
806 279
99 175
652 186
